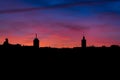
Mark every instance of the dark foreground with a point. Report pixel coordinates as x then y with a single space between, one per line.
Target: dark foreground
48 55
46 60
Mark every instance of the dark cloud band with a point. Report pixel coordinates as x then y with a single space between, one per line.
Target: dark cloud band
56 6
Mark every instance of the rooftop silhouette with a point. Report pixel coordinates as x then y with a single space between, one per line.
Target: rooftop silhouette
83 54
36 44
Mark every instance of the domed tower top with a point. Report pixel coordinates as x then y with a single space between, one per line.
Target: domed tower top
83 37
36 42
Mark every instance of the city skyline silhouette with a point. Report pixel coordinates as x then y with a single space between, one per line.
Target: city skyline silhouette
36 44
61 35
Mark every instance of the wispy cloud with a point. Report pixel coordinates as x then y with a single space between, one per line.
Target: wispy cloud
73 27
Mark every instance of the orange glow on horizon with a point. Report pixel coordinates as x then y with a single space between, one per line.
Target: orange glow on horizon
57 42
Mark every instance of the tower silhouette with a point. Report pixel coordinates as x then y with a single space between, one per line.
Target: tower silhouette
36 42
83 42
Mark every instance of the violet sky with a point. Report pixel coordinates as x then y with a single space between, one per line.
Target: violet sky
60 23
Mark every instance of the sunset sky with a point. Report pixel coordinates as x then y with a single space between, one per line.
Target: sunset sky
60 23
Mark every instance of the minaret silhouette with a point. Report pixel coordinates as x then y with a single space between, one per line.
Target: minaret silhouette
83 42
36 42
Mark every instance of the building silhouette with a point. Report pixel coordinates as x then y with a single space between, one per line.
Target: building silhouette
6 42
83 42
36 42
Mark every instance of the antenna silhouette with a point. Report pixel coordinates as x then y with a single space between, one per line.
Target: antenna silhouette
83 34
36 35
